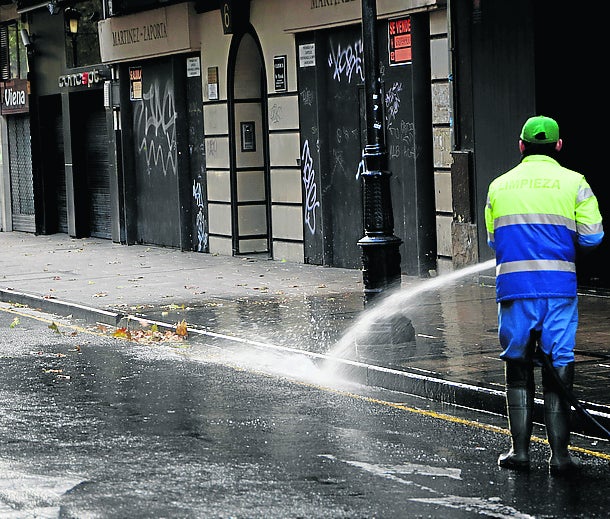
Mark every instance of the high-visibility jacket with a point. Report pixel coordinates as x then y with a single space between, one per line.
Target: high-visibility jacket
537 215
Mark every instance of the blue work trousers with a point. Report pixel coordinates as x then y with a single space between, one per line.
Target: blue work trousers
553 319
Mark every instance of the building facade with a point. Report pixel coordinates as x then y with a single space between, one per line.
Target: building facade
57 172
282 110
237 127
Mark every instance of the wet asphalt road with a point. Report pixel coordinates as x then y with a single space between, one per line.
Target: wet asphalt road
93 426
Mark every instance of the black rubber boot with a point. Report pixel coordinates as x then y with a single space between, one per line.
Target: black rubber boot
519 405
557 412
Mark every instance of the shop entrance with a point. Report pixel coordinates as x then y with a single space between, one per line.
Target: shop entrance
20 168
90 161
249 157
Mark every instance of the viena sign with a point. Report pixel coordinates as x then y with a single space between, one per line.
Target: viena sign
14 96
88 78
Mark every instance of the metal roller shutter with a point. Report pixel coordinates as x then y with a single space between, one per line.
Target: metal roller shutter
60 172
98 177
20 167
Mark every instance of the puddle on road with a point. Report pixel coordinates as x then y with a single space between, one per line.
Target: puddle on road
312 324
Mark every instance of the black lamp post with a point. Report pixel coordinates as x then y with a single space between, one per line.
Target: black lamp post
380 254
72 17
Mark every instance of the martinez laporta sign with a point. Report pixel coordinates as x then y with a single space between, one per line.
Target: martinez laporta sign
152 33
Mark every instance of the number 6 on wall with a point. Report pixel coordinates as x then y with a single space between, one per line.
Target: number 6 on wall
235 15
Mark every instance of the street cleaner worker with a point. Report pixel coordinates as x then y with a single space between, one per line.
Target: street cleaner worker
537 216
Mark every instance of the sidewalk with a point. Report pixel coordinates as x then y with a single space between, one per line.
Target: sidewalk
310 309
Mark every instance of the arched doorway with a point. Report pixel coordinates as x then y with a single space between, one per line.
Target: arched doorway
249 149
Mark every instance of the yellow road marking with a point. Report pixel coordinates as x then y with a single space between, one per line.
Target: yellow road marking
402 407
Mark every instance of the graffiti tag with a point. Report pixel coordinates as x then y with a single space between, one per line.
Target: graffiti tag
311 193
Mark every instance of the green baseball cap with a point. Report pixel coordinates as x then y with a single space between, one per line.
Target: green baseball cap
540 130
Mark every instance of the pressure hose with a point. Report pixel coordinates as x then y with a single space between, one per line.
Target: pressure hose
567 394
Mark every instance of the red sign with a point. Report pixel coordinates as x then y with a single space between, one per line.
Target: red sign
399 38
15 96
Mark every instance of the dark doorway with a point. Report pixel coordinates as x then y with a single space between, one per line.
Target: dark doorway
156 156
90 155
518 70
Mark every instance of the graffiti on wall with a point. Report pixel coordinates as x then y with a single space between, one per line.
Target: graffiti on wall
212 148
407 136
311 190
343 134
307 97
361 168
155 127
202 236
275 114
392 103
402 133
347 62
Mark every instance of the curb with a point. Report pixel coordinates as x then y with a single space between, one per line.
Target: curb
64 308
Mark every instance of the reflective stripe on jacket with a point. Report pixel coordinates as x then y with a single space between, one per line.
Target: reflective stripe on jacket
536 215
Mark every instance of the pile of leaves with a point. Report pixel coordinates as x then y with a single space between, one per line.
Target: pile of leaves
146 334
151 334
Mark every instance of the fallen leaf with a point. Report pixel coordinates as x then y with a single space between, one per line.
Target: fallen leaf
15 322
175 307
53 326
100 294
182 328
122 333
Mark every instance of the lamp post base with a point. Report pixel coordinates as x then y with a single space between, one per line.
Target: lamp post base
380 265
387 342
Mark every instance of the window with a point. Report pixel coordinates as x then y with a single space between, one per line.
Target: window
13 54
